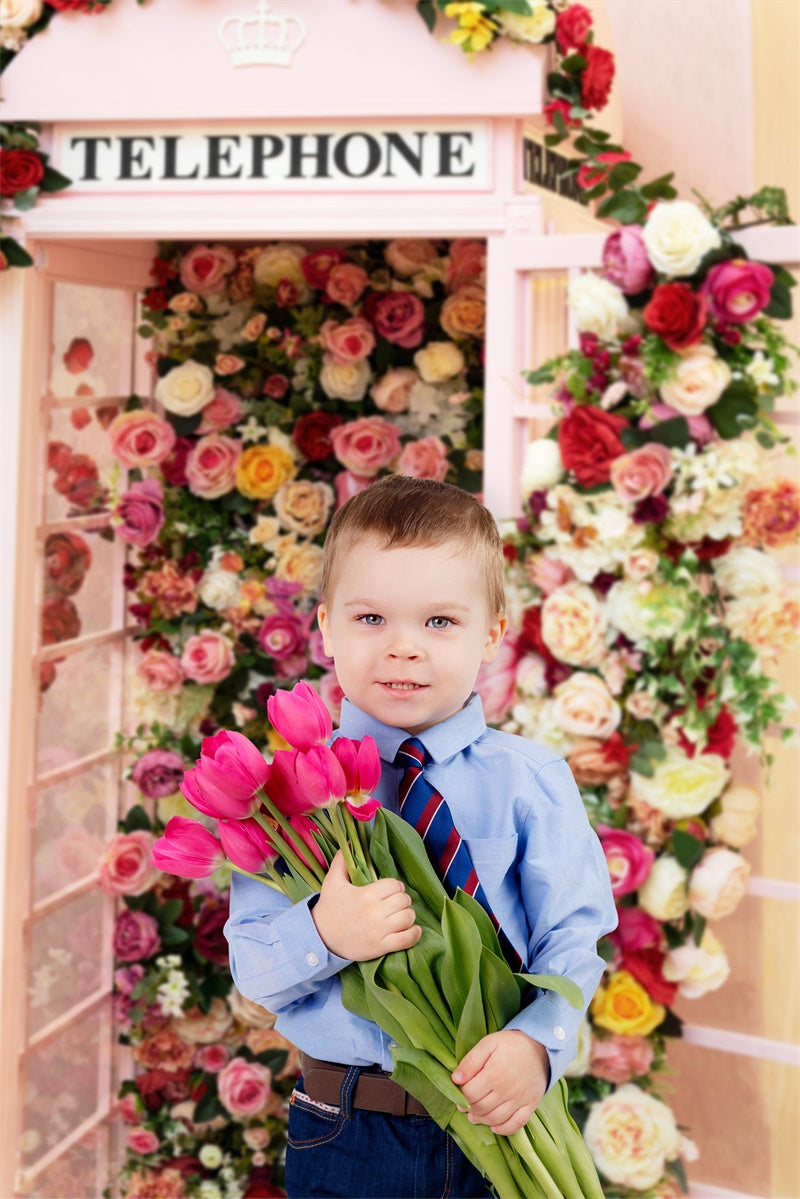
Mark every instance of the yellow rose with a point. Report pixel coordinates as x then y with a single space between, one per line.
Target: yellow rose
624 1006
304 507
464 314
262 469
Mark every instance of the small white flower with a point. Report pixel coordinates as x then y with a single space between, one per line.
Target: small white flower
761 370
251 430
210 1156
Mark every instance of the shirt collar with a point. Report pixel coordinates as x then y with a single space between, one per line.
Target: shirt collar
442 741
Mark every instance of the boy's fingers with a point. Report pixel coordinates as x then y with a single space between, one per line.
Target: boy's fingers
471 1063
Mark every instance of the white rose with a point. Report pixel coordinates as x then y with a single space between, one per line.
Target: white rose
210 1156
542 467
745 572
737 822
700 379
186 389
19 14
718 882
583 706
345 380
281 262
439 361
599 306
663 894
219 589
630 1136
697 969
677 237
681 786
534 28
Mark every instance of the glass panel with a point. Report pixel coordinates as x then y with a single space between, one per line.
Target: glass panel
72 826
80 578
78 1174
77 715
92 341
67 948
62 1085
78 460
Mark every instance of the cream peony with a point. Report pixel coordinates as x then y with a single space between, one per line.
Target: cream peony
583 706
677 237
745 571
345 380
631 1135
645 611
219 589
599 306
681 786
186 389
279 262
699 380
697 969
542 467
718 882
19 14
573 626
737 821
663 894
439 361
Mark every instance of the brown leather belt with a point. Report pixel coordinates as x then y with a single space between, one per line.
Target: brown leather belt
374 1091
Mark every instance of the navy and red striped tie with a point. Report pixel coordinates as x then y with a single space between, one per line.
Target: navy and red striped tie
423 807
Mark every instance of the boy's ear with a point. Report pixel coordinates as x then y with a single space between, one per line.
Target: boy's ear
325 628
497 631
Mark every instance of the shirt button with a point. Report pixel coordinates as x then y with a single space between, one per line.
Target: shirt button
559 1034
312 959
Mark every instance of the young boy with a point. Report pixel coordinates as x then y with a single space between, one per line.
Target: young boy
412 604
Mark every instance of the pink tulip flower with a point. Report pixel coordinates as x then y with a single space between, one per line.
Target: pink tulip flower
187 849
229 773
300 716
300 782
361 764
246 844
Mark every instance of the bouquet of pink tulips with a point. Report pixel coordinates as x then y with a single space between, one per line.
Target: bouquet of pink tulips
282 823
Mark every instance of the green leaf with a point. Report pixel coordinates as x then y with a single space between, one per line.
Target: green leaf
208 1108
698 928
472 1025
659 189
544 374
54 181
169 912
562 986
173 936
25 200
462 947
780 302
623 173
426 10
734 411
398 852
501 997
14 253
626 207
687 848
136 819
673 433
573 64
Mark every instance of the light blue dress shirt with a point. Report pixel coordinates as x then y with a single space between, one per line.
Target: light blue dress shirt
520 813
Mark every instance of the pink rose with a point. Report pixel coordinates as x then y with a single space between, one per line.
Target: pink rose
126 867
331 694
351 341
282 635
254 327
619 1058
625 261
204 268
212 1058
367 445
142 1140
211 466
244 1087
467 264
140 512
159 772
496 681
135 936
131 1108
160 670
346 282
642 472
737 290
636 930
225 409
629 860
548 574
347 485
316 651
140 438
399 317
409 255
700 428
424 459
207 657
392 393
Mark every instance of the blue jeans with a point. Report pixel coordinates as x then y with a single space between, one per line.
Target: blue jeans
347 1153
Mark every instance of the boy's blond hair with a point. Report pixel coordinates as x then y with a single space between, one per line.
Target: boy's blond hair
400 511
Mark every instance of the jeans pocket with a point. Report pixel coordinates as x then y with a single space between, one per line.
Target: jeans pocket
312 1124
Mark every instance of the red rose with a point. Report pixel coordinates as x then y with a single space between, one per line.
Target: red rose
76 5
60 620
276 386
67 558
597 78
173 467
564 107
312 434
209 941
589 442
646 968
317 267
721 735
399 316
19 170
676 314
572 27
591 173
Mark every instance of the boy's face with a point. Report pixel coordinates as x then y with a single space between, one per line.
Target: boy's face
408 629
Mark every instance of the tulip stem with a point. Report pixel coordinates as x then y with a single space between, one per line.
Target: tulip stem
340 829
288 852
259 878
364 868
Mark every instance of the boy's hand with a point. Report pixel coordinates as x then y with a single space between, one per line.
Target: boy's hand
503 1078
360 923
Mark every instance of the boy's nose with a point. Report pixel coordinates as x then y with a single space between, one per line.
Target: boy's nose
405 648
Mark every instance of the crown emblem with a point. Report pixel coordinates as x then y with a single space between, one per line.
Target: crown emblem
261 40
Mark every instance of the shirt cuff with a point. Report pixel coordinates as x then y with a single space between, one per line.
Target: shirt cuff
553 1022
304 947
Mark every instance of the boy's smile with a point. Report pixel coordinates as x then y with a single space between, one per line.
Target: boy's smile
408 628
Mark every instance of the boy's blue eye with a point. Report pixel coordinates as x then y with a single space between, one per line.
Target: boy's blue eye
440 622
372 619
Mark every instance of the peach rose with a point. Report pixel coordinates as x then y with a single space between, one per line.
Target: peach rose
204 269
643 472
583 707
140 438
424 459
247 1012
303 506
244 1087
409 255
439 361
253 329
700 379
349 341
589 765
346 282
126 867
573 626
159 670
300 562
262 469
228 364
185 302
207 657
367 445
718 882
204 1028
769 623
737 821
392 392
211 466
619 1058
464 313
224 410
467 264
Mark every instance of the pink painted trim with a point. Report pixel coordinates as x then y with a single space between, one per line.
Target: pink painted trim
774 888
701 1190
743 1044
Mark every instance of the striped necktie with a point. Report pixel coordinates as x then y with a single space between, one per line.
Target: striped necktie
423 807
